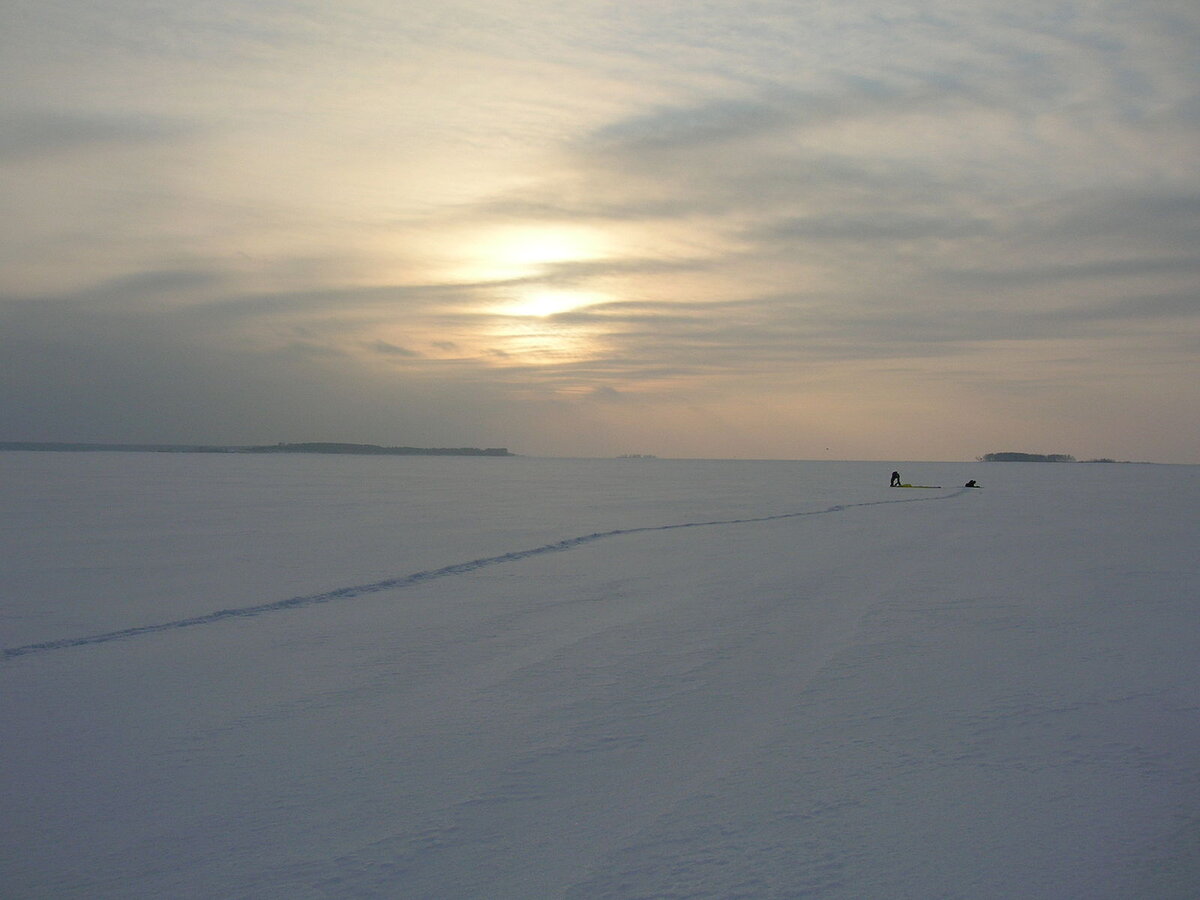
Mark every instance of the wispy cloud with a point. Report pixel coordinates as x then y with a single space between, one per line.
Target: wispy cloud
42 133
539 212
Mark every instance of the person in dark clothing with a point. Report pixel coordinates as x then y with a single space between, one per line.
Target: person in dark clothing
895 480
971 483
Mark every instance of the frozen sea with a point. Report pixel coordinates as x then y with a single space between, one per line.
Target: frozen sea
289 676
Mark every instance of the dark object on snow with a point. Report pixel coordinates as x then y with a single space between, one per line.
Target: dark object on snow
895 480
971 483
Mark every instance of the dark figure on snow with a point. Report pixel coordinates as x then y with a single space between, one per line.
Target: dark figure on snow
971 483
895 480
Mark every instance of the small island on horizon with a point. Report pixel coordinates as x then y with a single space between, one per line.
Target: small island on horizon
1026 457
309 447
1040 457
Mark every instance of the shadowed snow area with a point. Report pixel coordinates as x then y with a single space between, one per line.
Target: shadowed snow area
330 677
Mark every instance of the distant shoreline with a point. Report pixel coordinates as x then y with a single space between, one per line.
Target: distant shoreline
1042 457
312 447
1027 457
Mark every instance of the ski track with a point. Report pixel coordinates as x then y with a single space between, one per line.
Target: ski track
420 577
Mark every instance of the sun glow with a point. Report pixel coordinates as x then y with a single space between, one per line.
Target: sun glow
527 251
543 303
526 329
520 280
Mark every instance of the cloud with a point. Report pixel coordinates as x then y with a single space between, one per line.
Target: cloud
36 134
780 196
107 373
384 348
688 129
883 226
1015 274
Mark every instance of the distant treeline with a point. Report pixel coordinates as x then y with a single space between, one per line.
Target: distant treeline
363 449
1027 457
376 450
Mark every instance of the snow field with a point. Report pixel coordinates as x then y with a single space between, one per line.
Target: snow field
958 694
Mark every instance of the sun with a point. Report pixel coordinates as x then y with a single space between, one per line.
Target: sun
538 246
526 251
519 280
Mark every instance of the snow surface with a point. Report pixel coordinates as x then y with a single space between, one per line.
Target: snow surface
421 677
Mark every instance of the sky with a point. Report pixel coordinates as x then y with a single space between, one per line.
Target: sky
757 229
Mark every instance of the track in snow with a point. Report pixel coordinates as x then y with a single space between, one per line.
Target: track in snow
418 578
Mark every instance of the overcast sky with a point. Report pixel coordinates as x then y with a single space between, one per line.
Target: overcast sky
866 230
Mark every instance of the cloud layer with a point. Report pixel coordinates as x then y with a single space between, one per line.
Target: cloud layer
888 231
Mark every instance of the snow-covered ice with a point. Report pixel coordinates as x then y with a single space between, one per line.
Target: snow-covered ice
422 677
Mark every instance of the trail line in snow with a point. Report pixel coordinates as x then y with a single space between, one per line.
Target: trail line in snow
415 578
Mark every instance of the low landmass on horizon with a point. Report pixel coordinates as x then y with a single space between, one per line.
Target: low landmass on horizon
336 447
312 447
1039 457
1026 457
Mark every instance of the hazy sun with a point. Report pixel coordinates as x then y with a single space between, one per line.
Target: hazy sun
524 251
520 283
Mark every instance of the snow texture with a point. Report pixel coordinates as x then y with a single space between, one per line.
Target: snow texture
357 677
